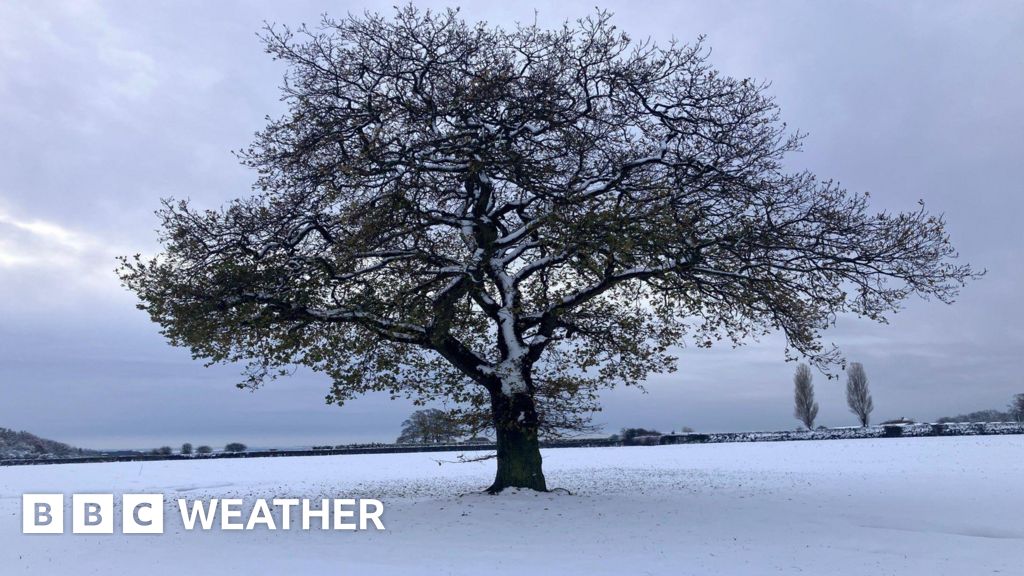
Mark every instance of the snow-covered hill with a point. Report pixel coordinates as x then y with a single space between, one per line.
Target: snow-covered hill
23 445
908 506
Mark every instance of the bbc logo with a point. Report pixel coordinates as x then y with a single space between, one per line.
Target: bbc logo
92 513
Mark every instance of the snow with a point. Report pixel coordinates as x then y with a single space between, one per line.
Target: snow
906 506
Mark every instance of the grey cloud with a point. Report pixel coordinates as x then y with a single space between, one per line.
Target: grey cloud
106 107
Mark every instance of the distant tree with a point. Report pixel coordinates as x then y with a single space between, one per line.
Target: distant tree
858 396
629 436
235 447
430 426
186 448
163 451
686 430
1017 408
204 450
806 409
979 416
516 218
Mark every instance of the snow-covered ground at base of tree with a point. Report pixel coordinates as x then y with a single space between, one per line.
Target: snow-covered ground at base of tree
909 506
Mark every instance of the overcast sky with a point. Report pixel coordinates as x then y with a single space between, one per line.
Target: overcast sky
106 107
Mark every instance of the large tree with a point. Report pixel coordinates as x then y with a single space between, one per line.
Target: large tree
513 219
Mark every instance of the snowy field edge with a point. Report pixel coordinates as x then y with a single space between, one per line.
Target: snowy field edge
936 505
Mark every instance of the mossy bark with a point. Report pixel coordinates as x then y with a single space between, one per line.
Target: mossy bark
519 460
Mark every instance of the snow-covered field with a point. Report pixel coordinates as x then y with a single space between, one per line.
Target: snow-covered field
867 507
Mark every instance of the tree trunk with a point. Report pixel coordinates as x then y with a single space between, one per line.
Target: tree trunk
519 461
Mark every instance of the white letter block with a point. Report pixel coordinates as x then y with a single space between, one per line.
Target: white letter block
92 513
142 514
42 513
